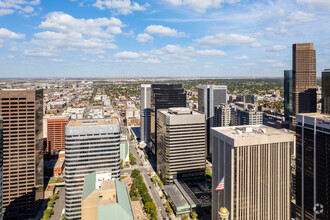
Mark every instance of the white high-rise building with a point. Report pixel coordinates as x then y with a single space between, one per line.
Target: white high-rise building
254 162
90 145
210 96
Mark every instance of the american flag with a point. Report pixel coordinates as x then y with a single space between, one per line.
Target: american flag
221 185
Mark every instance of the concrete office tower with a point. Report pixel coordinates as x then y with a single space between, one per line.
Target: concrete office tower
164 96
90 145
56 133
181 144
250 98
326 91
1 169
104 198
287 93
208 97
222 115
145 112
303 78
255 164
249 117
22 112
313 166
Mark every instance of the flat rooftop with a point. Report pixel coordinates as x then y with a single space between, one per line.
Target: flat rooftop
316 115
92 122
179 111
250 131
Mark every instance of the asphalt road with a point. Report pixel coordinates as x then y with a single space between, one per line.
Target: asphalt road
59 205
144 171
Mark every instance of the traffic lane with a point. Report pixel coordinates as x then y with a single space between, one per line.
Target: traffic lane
59 205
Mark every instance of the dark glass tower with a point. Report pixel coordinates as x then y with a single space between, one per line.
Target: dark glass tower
326 91
287 93
313 166
164 96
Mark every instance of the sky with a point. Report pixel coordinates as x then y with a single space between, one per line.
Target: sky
159 38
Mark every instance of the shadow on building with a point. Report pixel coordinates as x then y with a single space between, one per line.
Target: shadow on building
24 207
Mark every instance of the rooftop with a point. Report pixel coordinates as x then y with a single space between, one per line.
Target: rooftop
113 196
317 115
250 131
92 122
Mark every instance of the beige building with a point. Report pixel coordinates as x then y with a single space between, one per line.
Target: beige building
104 198
181 148
254 161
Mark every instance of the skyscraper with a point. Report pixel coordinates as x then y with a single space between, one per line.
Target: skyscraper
326 91
313 166
181 144
222 115
208 97
22 112
254 162
90 145
1 169
56 133
164 96
287 93
145 112
303 78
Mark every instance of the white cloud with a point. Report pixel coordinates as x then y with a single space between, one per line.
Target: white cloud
279 31
120 6
243 57
127 55
256 44
41 52
276 48
92 36
6 34
22 6
142 38
165 31
201 5
169 53
316 4
298 17
222 39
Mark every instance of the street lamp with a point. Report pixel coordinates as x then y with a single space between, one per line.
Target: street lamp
223 213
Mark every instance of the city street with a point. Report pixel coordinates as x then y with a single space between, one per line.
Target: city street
59 205
144 171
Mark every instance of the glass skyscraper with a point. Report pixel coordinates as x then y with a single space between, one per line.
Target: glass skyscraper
287 93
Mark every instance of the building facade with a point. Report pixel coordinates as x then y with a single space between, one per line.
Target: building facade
1 169
90 145
22 112
326 91
181 144
222 115
254 162
287 93
313 166
210 96
56 133
164 96
145 112
249 117
303 78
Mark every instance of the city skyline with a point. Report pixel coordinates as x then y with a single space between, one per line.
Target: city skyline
158 38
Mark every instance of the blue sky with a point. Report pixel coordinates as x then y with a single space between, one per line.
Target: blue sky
128 38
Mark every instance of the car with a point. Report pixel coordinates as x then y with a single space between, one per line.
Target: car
159 209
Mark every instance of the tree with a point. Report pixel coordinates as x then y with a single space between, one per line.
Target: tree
135 173
55 196
50 203
185 217
194 215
